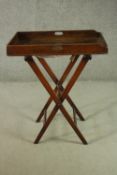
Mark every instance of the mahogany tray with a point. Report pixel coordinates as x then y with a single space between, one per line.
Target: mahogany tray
57 43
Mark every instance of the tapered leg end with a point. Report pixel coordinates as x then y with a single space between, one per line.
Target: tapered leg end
36 142
82 119
37 121
85 142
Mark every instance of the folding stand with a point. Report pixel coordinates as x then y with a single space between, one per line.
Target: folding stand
59 94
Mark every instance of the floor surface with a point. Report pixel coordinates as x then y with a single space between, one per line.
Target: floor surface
60 151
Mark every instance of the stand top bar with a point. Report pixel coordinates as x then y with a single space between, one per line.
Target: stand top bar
57 43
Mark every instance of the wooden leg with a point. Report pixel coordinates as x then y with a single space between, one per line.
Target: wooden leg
59 82
75 128
57 100
45 116
74 116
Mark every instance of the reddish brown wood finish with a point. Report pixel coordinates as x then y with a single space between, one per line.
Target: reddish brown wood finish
53 43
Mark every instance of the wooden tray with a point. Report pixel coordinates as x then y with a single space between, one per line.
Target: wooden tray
57 43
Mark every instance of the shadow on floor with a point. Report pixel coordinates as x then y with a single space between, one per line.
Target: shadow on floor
102 109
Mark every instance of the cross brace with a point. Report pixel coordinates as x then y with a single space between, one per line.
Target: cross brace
59 94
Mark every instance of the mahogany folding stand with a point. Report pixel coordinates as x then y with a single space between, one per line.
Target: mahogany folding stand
74 43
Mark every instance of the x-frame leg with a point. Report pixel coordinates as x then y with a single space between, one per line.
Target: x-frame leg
57 100
58 83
